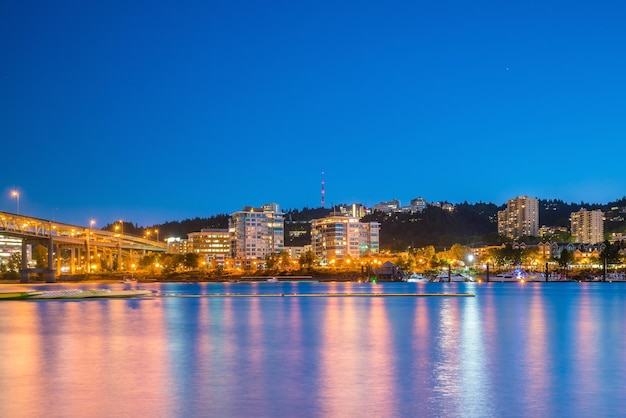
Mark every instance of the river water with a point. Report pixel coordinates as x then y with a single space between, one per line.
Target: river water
531 350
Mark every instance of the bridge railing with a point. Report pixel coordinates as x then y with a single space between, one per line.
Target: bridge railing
25 226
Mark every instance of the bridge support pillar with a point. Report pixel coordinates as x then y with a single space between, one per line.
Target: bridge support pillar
73 260
49 274
24 266
59 258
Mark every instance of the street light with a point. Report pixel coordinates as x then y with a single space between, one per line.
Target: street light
16 195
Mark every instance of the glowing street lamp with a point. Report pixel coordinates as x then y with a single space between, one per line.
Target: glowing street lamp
16 195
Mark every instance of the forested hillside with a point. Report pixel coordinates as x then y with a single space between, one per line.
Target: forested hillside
468 224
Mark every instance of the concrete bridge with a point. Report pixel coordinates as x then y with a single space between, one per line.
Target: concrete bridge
86 249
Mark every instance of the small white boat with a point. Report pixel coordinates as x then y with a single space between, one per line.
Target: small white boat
616 277
272 280
416 278
516 275
535 277
505 277
128 280
453 277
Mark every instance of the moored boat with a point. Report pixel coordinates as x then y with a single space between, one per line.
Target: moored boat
416 278
615 277
453 277
516 275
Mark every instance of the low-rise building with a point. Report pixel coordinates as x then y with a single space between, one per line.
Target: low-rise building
211 244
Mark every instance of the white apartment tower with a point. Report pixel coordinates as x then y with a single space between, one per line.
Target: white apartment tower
520 218
588 226
257 232
338 237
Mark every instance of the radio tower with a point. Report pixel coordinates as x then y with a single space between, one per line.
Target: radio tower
323 191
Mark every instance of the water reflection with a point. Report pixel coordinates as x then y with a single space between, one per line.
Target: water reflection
477 390
535 355
356 359
532 350
66 356
447 365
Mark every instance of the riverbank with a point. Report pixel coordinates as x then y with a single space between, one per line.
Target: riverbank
192 277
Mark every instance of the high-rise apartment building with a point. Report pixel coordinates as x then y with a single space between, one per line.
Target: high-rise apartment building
520 218
338 237
587 226
257 232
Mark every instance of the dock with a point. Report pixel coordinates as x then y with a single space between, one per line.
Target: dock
319 295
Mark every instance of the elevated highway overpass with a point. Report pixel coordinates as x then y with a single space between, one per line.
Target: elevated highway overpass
76 248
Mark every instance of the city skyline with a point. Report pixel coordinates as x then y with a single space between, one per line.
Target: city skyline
169 112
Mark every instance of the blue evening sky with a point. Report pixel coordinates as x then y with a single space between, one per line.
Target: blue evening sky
153 111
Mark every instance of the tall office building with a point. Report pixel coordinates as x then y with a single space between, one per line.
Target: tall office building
587 226
257 232
338 237
520 218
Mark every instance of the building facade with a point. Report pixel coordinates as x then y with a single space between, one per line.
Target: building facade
520 218
178 246
211 244
339 237
587 226
257 232
8 247
388 207
296 252
418 204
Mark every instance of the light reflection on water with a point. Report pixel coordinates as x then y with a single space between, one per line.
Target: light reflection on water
532 350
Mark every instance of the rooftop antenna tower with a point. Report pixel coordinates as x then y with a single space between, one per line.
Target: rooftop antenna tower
323 191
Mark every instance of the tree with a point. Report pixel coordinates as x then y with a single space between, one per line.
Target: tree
148 260
272 261
191 261
285 260
307 259
506 256
565 258
171 262
40 254
610 254
14 263
530 256
425 256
